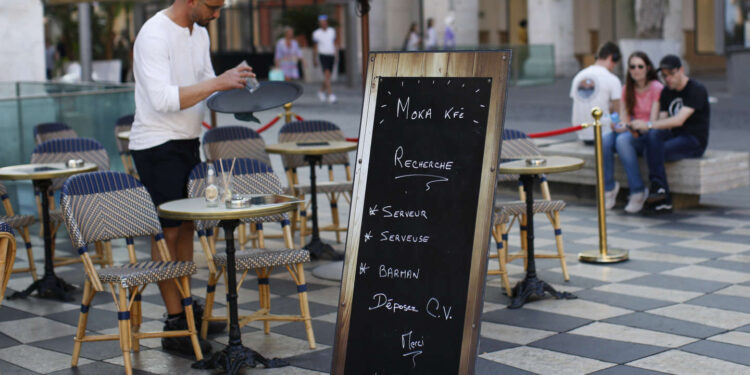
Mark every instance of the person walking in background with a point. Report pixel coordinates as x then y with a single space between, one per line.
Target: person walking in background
596 86
680 132
324 45
50 59
411 41
640 102
431 39
173 76
449 36
288 54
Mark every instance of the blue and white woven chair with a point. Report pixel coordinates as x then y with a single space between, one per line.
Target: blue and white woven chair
7 256
124 123
516 145
252 177
59 151
21 223
102 206
52 130
318 130
226 142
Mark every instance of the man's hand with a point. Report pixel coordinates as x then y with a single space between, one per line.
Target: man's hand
618 128
639 125
234 78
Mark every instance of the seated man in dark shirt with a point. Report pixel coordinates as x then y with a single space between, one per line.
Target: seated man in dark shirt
680 132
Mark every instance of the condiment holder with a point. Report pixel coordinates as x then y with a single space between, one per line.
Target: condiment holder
238 201
536 162
74 163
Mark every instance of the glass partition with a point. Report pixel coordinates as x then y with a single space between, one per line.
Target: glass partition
90 109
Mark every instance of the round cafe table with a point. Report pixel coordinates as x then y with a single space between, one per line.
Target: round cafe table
235 355
49 286
313 153
529 169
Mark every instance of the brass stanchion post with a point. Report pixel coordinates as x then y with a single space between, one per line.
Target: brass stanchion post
603 255
287 113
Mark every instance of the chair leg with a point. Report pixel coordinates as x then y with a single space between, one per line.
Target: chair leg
559 241
304 306
264 295
335 215
136 317
241 235
27 241
88 295
123 317
302 228
499 234
185 292
208 310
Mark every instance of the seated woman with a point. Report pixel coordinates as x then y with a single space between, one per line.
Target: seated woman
641 102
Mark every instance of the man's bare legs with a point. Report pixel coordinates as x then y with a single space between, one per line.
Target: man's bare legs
327 82
180 244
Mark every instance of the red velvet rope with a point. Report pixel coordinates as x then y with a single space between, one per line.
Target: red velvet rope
299 118
206 125
270 124
556 132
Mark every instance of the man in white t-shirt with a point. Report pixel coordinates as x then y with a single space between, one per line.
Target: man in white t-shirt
324 45
596 86
173 76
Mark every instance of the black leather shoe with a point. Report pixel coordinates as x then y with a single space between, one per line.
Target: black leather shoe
213 327
182 345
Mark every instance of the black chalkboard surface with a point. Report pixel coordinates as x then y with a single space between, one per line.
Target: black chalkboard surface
419 225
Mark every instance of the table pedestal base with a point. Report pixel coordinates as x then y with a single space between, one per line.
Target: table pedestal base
234 357
49 286
531 286
323 251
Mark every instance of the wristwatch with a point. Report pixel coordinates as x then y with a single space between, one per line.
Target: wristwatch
650 125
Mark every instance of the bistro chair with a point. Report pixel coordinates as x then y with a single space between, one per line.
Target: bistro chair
252 177
52 130
516 145
59 151
124 123
21 223
227 142
317 130
7 256
102 206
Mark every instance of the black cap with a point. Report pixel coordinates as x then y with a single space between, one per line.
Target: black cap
670 62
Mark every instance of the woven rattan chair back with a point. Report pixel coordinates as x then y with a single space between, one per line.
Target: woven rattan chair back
21 223
53 130
7 256
61 150
310 131
226 142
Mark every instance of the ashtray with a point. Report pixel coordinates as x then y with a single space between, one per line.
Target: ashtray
74 163
238 202
536 162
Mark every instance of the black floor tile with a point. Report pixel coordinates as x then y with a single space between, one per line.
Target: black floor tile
324 331
98 320
626 370
7 341
318 360
648 266
622 300
744 329
720 350
727 265
727 237
664 324
11 369
99 350
691 227
97 368
9 313
487 367
678 283
683 251
535 319
597 348
487 345
723 302
290 306
282 287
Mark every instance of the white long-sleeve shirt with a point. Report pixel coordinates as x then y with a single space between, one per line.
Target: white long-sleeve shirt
167 56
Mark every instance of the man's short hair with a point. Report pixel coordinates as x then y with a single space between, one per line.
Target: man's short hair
670 62
609 49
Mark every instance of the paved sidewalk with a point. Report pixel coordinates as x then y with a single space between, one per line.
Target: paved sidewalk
680 305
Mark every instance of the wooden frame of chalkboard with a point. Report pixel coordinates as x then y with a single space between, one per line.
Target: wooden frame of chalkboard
421 210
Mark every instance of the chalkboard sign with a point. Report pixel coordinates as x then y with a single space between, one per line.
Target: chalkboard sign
420 220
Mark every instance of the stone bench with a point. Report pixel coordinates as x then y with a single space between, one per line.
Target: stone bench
715 172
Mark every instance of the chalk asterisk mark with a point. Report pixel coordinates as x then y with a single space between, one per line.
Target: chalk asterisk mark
363 267
373 210
368 235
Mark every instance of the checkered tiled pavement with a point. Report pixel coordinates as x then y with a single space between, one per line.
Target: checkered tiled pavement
680 305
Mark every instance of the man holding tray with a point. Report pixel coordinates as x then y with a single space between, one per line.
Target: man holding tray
174 76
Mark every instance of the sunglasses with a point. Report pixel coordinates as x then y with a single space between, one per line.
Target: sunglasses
639 66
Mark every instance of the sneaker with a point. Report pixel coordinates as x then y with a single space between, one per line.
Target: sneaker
182 345
658 193
661 207
322 96
636 201
213 327
611 196
332 98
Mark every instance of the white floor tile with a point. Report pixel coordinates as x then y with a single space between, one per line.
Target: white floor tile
735 338
717 246
542 361
679 362
736 290
704 315
648 292
634 335
709 274
576 307
36 359
513 334
35 329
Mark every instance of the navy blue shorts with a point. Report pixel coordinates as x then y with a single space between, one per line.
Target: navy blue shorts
164 171
326 61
